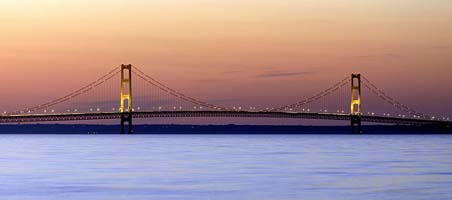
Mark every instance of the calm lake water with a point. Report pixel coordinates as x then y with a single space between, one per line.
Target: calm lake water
232 167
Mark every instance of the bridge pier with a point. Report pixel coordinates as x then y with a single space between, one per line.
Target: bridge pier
126 97
356 124
355 104
126 117
444 128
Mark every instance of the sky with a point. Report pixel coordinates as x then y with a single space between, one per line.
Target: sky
264 52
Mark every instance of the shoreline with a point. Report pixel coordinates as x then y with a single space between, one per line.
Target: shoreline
213 129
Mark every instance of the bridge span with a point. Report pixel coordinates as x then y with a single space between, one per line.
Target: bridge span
154 107
216 114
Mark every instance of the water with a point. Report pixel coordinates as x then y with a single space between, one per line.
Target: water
198 167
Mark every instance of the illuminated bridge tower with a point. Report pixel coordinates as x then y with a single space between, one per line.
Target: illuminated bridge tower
126 97
355 105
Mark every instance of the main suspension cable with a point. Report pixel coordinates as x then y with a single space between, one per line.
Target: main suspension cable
316 97
71 95
176 93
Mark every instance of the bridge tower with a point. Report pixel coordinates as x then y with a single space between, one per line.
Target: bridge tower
355 104
126 97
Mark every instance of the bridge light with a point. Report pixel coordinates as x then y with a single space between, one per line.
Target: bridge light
373 113
180 107
138 108
309 110
200 107
45 111
113 109
98 109
91 109
53 110
75 110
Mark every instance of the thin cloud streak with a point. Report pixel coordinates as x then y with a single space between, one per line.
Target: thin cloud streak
283 74
233 72
381 56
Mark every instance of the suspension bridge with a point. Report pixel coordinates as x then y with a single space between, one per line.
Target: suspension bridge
98 101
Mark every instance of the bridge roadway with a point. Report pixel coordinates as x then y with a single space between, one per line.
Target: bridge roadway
231 114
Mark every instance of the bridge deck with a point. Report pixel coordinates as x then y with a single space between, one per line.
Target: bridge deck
217 114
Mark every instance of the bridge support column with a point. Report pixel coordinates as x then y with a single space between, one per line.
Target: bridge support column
126 98
355 104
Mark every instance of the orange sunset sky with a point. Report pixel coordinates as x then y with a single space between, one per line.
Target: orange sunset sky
264 51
